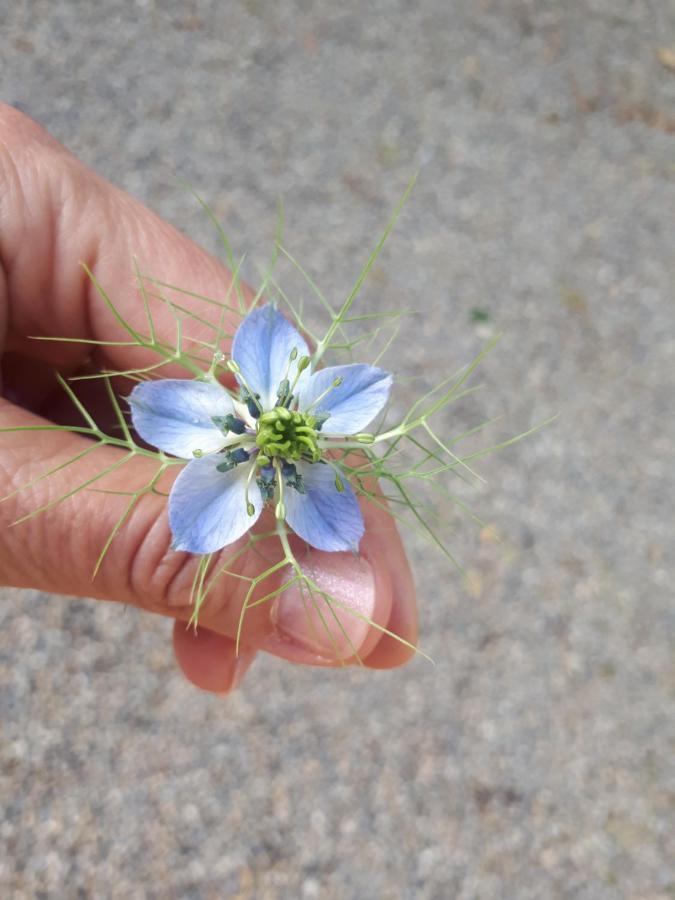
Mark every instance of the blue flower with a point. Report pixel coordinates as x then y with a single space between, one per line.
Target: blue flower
266 444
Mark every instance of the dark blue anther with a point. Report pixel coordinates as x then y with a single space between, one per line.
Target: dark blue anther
232 458
288 470
238 456
266 481
266 489
235 425
229 423
292 477
267 473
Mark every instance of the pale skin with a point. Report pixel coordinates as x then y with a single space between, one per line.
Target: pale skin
54 215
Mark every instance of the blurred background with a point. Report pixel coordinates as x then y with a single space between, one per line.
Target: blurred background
536 759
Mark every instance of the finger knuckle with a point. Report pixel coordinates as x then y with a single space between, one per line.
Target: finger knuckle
158 578
161 579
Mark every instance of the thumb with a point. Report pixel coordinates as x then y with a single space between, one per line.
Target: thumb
57 550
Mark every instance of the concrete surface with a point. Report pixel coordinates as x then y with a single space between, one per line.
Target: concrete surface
536 759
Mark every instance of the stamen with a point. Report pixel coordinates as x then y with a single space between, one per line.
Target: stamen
280 508
250 508
335 384
250 395
239 455
229 423
266 481
253 406
293 477
303 363
232 458
284 390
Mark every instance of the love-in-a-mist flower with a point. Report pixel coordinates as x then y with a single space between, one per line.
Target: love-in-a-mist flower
268 443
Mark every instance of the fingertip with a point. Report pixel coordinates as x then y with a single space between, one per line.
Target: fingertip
209 660
398 646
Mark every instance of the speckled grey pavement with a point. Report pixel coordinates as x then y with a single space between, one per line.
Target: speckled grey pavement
535 760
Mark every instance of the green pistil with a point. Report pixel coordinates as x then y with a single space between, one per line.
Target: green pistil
288 434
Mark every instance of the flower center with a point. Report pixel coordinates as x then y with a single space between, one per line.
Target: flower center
288 434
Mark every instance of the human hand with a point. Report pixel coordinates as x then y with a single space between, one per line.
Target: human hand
54 215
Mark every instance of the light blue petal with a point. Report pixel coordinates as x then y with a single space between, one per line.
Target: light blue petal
262 347
207 508
352 405
324 517
174 415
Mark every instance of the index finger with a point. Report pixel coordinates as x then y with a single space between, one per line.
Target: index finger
58 218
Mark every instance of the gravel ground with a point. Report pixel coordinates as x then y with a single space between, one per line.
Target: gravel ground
535 760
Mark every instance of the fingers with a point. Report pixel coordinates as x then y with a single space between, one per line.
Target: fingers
58 550
209 660
55 213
